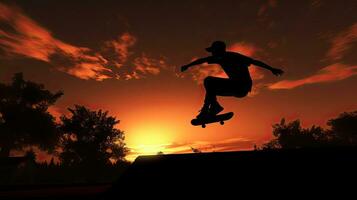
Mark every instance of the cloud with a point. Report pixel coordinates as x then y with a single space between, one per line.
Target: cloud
232 144
342 42
21 35
27 38
201 72
145 65
132 75
244 48
89 71
121 47
334 72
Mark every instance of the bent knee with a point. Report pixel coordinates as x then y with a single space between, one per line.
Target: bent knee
241 94
208 80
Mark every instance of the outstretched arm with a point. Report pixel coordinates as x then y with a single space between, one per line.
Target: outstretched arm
196 62
275 71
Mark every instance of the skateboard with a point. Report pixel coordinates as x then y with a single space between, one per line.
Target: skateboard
212 119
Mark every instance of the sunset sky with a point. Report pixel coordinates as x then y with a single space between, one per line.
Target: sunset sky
124 57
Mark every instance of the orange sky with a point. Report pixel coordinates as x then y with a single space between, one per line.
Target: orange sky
124 56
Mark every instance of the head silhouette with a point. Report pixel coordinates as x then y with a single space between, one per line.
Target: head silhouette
217 48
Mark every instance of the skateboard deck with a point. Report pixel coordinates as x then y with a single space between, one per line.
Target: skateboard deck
212 119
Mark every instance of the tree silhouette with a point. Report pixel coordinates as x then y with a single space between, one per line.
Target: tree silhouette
342 132
292 135
344 128
24 119
90 138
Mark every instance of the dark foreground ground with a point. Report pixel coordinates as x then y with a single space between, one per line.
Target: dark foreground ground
253 173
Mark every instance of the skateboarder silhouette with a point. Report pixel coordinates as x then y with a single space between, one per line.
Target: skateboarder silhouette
238 84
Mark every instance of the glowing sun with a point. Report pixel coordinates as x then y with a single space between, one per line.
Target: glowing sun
149 139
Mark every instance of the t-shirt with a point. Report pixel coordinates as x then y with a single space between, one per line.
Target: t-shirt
235 65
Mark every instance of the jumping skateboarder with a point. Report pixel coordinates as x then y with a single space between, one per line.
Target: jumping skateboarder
238 84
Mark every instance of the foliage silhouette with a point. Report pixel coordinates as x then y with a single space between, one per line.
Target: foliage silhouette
24 119
344 129
85 141
342 132
90 138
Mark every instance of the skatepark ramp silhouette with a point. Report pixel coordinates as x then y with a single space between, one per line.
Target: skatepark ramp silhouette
243 172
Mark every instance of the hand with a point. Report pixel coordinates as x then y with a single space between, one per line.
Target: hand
277 72
184 68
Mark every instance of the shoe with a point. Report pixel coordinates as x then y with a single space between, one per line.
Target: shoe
215 109
204 113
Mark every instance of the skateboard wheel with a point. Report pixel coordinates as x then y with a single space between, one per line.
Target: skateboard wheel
221 122
203 125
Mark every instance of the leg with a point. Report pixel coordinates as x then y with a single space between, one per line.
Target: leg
211 84
221 87
225 87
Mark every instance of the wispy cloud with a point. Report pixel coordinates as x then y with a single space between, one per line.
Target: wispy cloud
26 37
232 144
121 47
244 48
330 73
342 42
144 65
148 65
20 35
